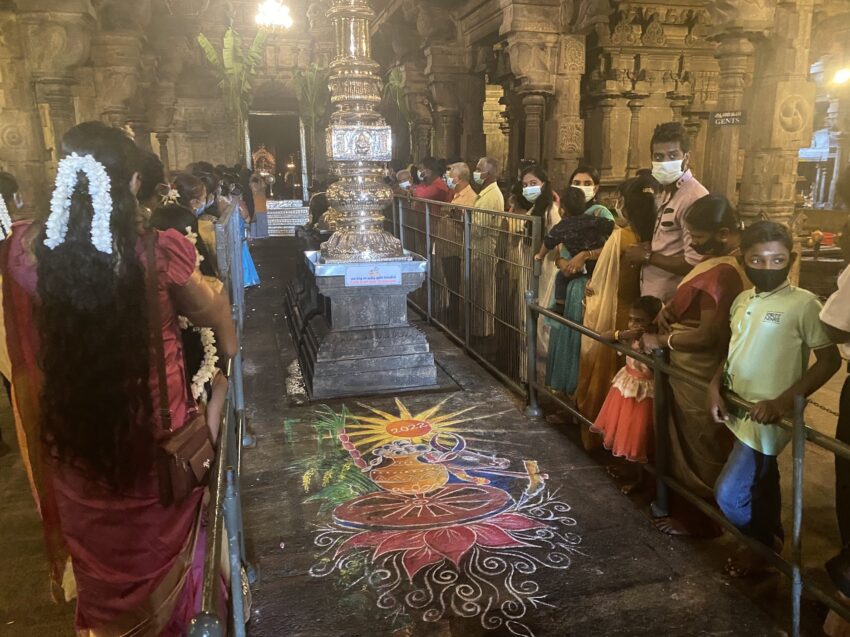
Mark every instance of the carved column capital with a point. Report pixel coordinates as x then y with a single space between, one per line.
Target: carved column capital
533 59
56 41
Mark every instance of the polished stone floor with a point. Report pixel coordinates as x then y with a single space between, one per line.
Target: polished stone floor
520 533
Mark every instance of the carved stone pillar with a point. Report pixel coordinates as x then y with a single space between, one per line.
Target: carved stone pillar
840 116
496 128
781 121
447 131
474 96
534 106
416 92
734 55
564 150
22 147
56 40
115 56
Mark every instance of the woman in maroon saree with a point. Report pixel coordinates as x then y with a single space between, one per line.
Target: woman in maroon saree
85 386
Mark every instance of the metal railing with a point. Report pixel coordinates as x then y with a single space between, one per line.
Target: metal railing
224 510
665 482
480 264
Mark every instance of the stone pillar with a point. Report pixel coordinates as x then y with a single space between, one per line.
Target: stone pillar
563 150
606 164
533 105
474 97
839 116
416 91
162 139
734 55
22 147
496 127
636 153
56 38
781 120
445 75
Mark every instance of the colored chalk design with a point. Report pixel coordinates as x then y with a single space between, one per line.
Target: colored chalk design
437 528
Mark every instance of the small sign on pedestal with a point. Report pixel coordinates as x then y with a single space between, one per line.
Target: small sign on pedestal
365 275
728 118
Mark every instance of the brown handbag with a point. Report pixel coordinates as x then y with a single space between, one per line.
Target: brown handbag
184 456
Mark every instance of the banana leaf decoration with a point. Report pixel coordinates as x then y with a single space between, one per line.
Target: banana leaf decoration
313 95
234 69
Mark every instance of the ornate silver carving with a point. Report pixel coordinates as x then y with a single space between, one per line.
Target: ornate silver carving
358 142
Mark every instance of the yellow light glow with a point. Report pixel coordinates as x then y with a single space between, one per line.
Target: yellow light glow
273 15
842 76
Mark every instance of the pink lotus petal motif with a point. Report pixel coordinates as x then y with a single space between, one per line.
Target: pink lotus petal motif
431 546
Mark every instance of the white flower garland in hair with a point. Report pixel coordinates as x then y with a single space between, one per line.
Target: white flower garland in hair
193 239
172 196
5 219
67 175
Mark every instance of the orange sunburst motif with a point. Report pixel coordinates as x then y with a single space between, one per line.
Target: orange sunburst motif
384 427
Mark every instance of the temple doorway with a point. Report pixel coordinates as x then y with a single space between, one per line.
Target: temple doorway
277 143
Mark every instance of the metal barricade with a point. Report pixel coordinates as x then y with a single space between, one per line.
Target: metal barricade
661 468
480 264
224 510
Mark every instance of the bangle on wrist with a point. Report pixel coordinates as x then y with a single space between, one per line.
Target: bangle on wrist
670 343
616 335
648 256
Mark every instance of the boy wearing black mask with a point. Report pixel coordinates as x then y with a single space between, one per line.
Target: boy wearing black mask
774 327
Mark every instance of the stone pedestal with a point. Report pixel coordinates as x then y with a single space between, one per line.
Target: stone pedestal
356 340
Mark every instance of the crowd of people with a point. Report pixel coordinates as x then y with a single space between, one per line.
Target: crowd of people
117 325
117 328
671 267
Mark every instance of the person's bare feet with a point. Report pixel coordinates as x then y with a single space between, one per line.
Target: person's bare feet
748 563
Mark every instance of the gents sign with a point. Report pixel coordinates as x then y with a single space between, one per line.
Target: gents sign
363 275
728 118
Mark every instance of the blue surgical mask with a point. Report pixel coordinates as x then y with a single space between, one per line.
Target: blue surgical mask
200 209
450 182
421 175
478 178
531 193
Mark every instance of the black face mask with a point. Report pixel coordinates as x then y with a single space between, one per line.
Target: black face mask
710 247
767 280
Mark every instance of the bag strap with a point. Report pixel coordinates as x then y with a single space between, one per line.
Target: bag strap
155 325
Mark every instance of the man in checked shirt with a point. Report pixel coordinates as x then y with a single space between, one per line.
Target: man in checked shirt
669 256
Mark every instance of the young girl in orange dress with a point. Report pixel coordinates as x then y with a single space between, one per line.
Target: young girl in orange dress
626 418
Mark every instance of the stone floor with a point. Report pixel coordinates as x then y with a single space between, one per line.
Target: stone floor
508 546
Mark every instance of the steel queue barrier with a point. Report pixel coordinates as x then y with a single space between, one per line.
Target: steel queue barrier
663 371
224 508
468 249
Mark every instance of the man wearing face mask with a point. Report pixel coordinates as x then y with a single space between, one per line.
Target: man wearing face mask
669 256
403 183
431 184
485 175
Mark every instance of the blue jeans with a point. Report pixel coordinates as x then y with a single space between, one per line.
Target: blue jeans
747 492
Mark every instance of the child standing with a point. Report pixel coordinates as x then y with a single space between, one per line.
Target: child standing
774 327
626 418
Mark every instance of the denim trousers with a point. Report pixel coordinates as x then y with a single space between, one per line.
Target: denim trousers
748 493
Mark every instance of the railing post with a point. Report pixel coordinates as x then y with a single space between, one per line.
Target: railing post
533 408
235 553
536 241
428 285
798 449
401 222
396 202
661 506
467 274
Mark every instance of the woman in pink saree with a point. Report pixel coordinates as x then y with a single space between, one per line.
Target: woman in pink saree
85 389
